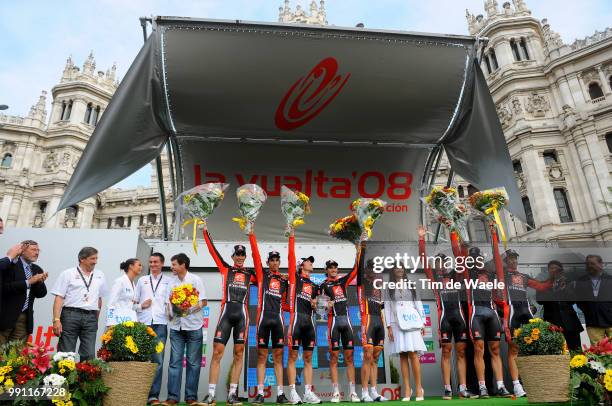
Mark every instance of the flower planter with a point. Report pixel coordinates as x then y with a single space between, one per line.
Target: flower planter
129 383
545 377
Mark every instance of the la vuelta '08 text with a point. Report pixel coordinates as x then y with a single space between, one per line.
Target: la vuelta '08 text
34 393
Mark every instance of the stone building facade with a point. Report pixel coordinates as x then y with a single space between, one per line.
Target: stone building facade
554 101
38 154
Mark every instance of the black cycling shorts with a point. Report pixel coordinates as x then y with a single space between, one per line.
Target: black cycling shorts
452 326
485 324
270 325
340 332
372 331
520 313
302 332
234 315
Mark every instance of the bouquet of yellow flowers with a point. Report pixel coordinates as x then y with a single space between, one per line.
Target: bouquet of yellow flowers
367 212
490 202
346 229
183 298
295 206
447 208
197 204
251 198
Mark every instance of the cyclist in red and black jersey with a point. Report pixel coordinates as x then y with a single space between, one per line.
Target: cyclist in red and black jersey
272 289
372 328
451 320
484 323
339 328
234 316
302 303
518 311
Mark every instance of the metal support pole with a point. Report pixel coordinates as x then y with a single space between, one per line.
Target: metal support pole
449 181
158 163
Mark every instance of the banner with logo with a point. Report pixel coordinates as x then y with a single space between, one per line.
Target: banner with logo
333 177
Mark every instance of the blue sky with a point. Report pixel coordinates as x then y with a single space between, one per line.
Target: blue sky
38 36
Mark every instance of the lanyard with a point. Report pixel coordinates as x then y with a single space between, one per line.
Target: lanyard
87 285
156 286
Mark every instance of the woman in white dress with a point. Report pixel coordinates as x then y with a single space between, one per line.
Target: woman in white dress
405 318
122 304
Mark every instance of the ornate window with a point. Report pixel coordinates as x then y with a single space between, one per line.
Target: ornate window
88 113
528 212
460 191
518 168
151 218
565 214
109 223
119 221
129 223
493 57
66 110
595 90
471 190
550 157
488 63
523 45
7 160
515 50
609 142
94 116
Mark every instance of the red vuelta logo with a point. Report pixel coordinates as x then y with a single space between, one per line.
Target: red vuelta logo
338 291
309 95
239 277
274 284
307 289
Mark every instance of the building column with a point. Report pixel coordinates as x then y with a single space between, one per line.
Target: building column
585 95
590 173
53 219
604 82
535 47
6 203
576 88
504 53
538 189
566 94
88 214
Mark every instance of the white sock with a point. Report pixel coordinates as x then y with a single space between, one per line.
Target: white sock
364 391
307 389
211 389
462 387
233 388
336 388
447 387
482 384
292 387
260 389
279 390
500 384
373 392
515 383
352 387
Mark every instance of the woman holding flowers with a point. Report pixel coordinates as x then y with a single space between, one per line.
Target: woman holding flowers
122 304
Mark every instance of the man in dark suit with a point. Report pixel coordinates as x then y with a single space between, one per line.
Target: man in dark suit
6 263
559 308
22 281
594 298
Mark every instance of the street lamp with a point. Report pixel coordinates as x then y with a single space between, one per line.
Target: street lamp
3 107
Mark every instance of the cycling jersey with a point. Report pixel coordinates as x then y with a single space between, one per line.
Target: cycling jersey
301 293
451 320
370 307
516 288
271 288
339 328
234 302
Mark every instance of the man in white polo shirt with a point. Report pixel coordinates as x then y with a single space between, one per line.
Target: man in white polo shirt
185 336
152 293
78 299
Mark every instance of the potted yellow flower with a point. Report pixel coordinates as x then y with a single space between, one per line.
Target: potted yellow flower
128 347
542 349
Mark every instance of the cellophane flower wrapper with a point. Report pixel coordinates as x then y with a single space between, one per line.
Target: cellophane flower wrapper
251 198
295 206
197 204
367 212
346 229
489 200
447 208
183 298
